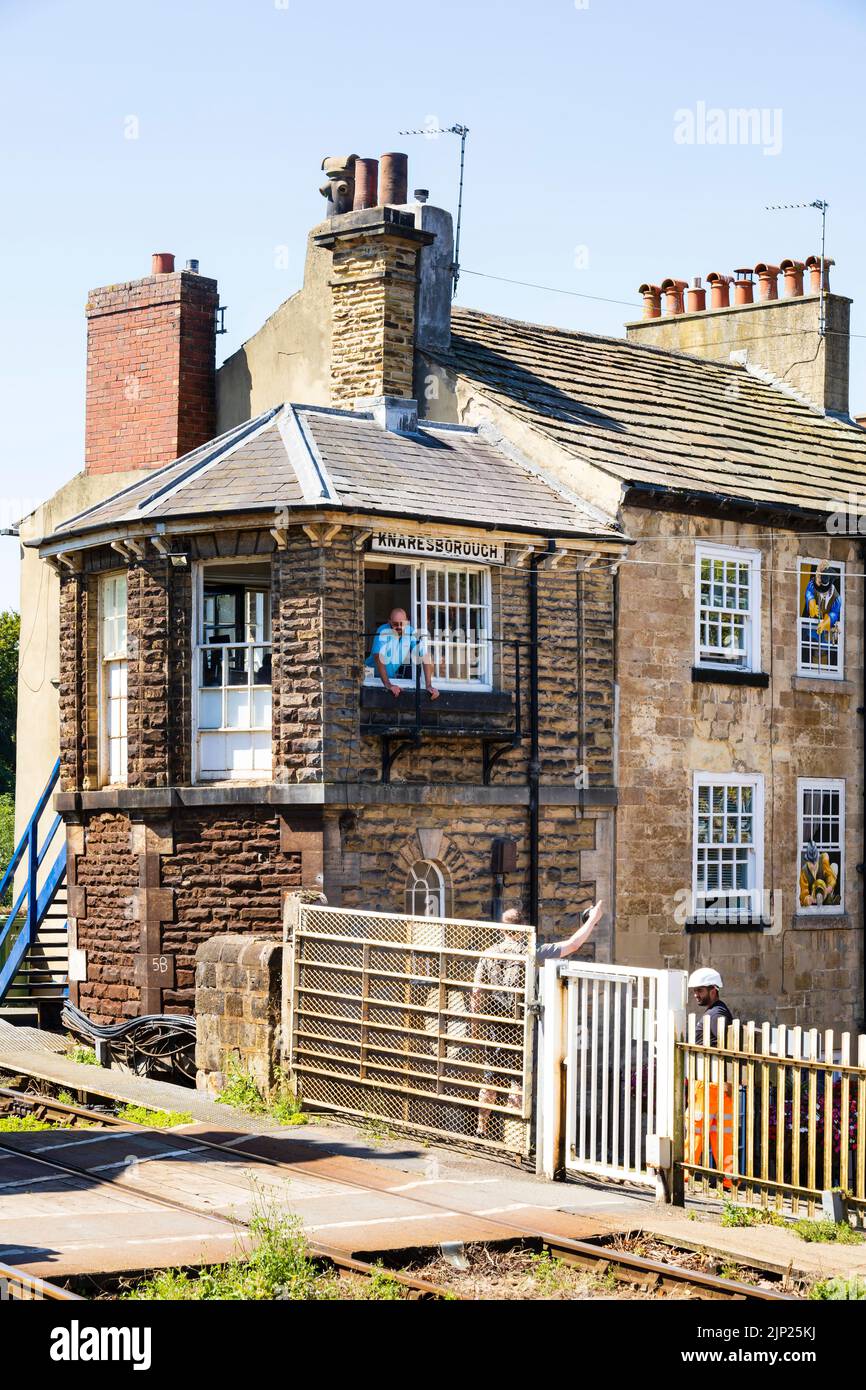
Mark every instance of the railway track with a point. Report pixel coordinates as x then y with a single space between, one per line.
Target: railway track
649 1274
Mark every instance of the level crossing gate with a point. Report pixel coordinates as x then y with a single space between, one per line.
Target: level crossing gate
605 1072
421 1023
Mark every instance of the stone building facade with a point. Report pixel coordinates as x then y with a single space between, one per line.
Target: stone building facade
795 735
716 436
389 808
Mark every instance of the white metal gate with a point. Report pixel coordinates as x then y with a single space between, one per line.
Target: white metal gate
420 1022
605 1066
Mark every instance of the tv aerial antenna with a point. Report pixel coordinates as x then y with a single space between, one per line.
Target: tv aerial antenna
430 130
820 205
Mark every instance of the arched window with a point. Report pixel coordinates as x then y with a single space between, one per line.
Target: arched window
425 890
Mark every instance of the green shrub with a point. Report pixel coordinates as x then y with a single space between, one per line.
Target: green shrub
839 1288
19 1122
244 1093
154 1119
839 1232
79 1052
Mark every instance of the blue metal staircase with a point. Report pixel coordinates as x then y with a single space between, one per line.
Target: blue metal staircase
33 929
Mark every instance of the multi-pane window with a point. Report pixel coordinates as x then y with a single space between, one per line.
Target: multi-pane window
425 890
112 678
728 846
820 626
820 885
233 665
448 607
728 607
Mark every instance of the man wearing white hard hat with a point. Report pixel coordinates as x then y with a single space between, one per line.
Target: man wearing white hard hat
712 1102
706 984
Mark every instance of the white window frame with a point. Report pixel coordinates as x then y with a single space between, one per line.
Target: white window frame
117 656
414 879
729 553
821 784
817 674
418 603
756 888
244 775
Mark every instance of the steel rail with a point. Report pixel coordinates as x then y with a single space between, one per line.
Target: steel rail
421 1288
46 1107
566 1248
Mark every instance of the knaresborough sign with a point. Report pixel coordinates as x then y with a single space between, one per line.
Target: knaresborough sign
438 547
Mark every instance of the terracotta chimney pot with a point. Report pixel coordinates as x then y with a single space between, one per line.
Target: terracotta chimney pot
813 265
366 184
673 293
720 290
696 297
793 277
394 179
652 301
161 263
744 285
768 280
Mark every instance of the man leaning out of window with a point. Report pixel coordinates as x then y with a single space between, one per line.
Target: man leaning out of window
396 646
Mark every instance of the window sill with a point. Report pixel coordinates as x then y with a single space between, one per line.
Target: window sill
818 921
823 685
722 675
732 924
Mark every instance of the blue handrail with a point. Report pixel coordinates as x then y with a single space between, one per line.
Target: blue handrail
28 912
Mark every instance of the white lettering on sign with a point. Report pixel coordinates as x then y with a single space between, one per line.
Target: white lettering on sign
438 547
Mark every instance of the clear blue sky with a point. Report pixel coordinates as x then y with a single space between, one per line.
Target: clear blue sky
572 116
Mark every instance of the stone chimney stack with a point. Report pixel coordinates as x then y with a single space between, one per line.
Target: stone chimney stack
779 333
151 347
390 277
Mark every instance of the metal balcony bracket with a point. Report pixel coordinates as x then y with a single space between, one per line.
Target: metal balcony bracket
392 749
492 751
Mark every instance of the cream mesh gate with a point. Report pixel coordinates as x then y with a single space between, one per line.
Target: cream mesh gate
417 1021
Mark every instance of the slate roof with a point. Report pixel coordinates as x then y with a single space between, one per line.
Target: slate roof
313 457
659 418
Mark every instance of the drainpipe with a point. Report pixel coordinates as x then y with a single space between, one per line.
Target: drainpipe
534 759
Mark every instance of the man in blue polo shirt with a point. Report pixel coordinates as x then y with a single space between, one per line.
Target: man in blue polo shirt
391 654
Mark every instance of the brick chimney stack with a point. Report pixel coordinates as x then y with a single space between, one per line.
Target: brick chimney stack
151 379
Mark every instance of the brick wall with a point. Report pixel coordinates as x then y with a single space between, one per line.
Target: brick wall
106 927
151 392
811 972
165 888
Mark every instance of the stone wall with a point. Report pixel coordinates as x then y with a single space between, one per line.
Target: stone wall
810 973
237 1008
140 889
369 859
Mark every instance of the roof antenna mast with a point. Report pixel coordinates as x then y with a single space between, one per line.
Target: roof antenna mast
461 130
821 205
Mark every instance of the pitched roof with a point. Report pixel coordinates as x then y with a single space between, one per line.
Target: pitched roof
314 457
660 418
